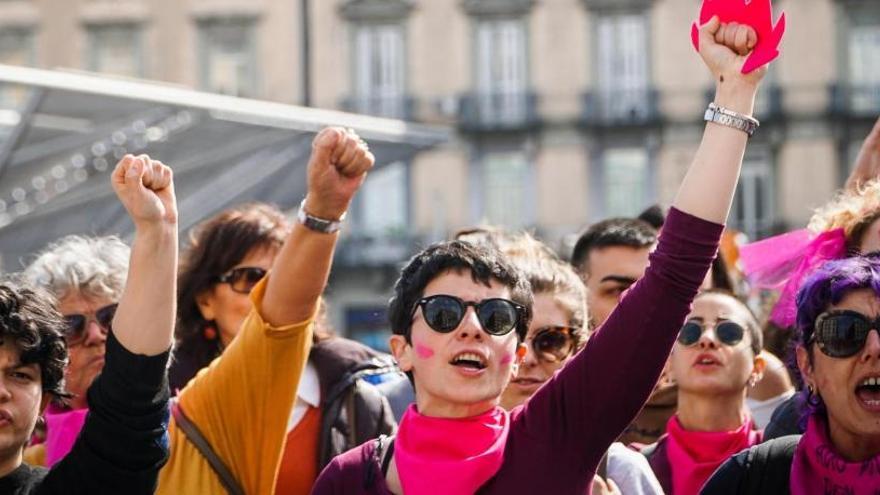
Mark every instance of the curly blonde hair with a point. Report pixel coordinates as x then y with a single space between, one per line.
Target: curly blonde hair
853 210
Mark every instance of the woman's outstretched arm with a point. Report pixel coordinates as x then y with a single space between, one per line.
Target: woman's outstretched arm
708 187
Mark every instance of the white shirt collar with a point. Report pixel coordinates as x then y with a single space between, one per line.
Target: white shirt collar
309 390
307 395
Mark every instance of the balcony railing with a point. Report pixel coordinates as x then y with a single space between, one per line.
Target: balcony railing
855 100
361 249
768 102
620 107
392 107
498 111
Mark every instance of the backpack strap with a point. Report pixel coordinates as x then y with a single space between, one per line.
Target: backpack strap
365 372
382 455
769 465
387 455
352 420
192 432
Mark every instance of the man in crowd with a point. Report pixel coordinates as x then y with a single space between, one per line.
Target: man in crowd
610 256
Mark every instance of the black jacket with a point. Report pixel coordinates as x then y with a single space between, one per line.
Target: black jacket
352 410
763 469
123 443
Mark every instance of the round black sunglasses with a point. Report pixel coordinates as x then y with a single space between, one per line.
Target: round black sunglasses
443 313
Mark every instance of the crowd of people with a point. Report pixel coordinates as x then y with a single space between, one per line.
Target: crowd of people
635 367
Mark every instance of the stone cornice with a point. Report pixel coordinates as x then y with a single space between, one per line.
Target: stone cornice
497 7
616 4
368 10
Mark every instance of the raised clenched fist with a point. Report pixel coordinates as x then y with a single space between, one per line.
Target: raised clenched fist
338 166
146 188
725 48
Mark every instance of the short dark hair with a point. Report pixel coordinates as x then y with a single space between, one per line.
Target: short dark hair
29 317
484 262
628 232
654 215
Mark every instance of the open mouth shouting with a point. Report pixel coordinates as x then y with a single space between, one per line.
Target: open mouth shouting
470 362
868 393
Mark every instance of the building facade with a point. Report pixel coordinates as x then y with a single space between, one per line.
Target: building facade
566 111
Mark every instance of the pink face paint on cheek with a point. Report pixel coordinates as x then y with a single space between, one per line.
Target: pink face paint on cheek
507 359
424 351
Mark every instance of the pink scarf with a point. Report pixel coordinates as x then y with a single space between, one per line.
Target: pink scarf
450 456
62 428
817 466
694 455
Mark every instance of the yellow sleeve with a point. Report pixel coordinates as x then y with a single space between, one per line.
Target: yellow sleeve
241 403
35 455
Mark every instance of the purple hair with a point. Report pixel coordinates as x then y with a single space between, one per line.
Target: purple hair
825 287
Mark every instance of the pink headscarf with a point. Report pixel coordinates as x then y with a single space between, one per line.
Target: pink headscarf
782 262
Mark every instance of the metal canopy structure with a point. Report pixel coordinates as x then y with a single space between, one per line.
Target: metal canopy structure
61 142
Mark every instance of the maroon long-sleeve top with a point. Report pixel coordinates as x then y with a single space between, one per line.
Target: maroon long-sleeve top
559 435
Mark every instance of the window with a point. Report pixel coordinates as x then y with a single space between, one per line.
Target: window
115 49
504 189
383 205
228 57
501 72
753 202
16 48
626 181
864 64
379 69
622 65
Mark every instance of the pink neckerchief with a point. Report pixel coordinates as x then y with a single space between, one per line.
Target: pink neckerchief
62 428
694 455
450 456
817 468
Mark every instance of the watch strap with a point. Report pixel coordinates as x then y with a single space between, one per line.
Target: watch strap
318 224
729 118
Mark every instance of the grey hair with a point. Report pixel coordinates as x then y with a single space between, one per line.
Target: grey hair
95 267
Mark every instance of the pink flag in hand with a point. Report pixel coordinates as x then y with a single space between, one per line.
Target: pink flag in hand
756 13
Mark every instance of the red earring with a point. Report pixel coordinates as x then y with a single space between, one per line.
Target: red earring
521 352
209 332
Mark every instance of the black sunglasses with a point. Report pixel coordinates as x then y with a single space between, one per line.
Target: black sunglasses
553 344
444 313
75 330
242 279
728 333
842 333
